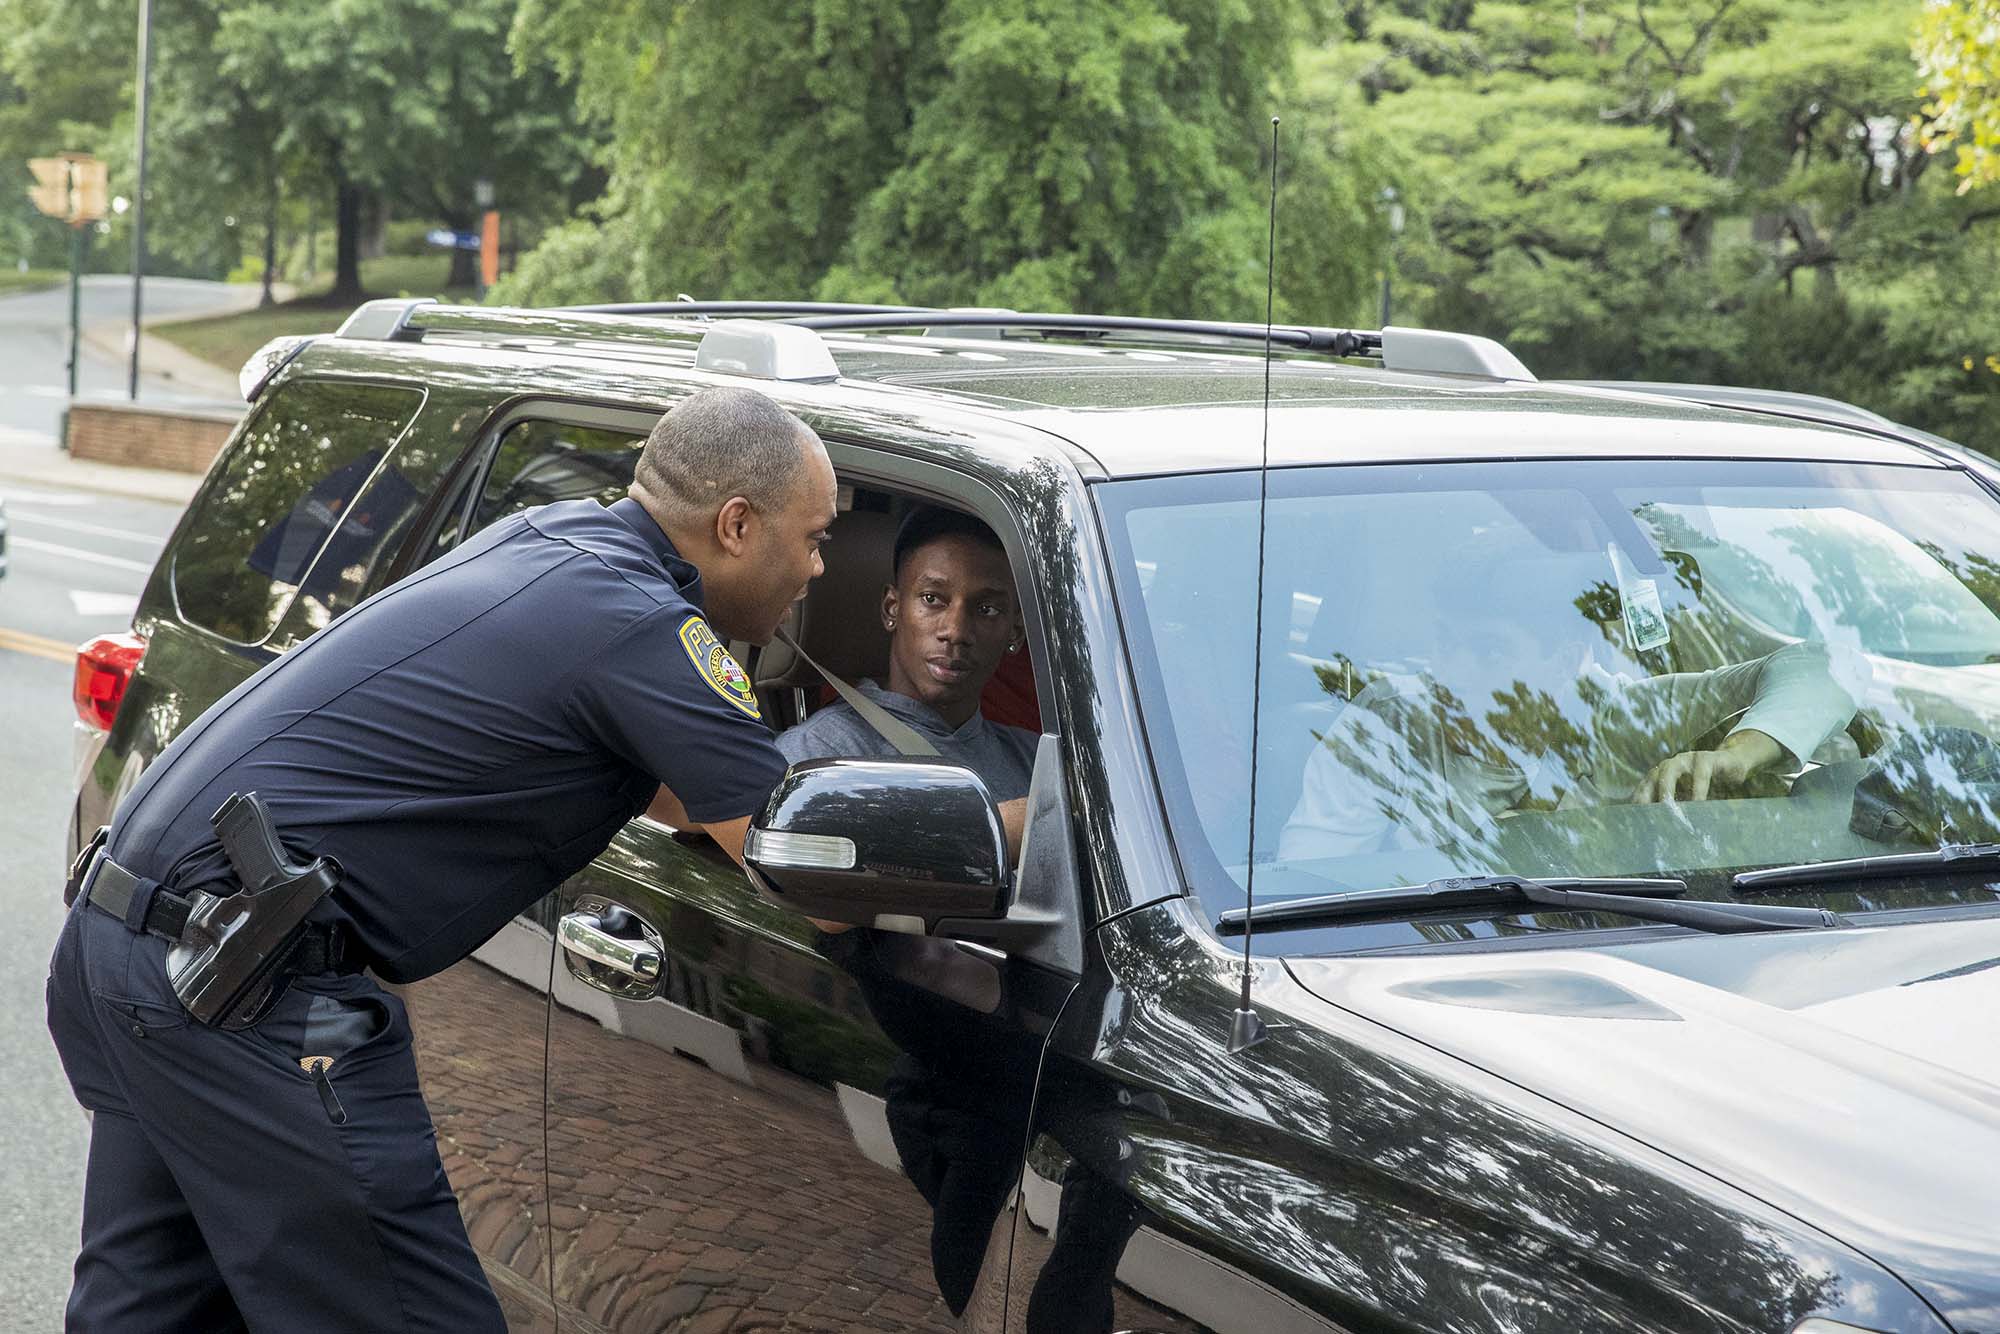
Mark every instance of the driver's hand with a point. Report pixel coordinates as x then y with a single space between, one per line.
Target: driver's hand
1695 775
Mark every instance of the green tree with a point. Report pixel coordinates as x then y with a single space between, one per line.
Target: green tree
412 99
257 103
1957 47
53 99
1109 154
1713 190
742 138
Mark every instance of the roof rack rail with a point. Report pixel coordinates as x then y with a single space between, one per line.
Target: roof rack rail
1424 351
701 309
1340 342
529 324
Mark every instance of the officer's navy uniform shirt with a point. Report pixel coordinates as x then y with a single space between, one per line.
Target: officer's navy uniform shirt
464 741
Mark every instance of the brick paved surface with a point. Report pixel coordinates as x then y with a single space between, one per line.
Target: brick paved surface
478 1040
685 1196
684 1201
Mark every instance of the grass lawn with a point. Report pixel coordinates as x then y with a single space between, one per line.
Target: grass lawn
13 280
228 340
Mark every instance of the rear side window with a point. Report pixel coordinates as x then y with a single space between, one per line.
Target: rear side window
286 494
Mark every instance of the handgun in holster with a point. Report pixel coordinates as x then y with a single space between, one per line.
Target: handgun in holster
229 966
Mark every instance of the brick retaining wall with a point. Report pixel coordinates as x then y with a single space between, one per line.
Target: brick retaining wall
184 439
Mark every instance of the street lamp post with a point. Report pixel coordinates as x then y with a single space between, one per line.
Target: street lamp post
1396 219
139 193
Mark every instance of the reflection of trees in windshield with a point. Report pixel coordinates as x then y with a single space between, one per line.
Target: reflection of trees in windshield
1980 575
1532 721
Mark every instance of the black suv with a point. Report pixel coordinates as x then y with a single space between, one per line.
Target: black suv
1384 723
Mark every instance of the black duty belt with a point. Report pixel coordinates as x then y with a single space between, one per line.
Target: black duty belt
144 904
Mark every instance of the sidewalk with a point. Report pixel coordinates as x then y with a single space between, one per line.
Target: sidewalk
34 460
159 359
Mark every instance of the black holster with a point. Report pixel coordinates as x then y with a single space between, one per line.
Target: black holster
229 965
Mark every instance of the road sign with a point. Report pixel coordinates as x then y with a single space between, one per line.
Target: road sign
89 182
51 188
71 187
452 240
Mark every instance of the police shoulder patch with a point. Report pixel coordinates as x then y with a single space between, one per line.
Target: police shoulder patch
713 664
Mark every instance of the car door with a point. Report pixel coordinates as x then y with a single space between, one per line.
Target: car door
480 1026
753 1124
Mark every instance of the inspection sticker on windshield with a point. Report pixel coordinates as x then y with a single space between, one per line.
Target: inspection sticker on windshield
1645 621
715 666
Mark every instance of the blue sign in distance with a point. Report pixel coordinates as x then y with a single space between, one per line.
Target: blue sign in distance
453 240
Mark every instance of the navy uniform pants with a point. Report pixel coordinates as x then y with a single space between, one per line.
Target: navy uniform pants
228 1188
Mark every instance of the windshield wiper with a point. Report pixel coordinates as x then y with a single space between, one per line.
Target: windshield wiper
1953 857
1647 900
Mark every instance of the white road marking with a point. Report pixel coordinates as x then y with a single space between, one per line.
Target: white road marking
77 553
96 529
15 495
89 602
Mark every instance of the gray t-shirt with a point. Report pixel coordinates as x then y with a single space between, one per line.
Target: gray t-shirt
1002 756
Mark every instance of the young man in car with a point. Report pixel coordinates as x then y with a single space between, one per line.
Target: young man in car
952 619
459 745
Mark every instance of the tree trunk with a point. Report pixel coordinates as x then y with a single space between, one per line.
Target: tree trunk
270 244
346 245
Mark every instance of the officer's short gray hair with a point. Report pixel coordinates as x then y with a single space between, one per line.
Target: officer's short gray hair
720 443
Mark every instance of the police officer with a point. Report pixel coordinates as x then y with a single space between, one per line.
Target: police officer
459 744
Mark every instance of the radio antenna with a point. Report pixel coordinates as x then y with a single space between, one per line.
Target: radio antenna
1246 1030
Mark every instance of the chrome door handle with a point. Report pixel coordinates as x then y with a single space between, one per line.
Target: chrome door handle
582 935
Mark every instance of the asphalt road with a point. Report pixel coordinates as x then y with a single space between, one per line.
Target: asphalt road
34 342
77 562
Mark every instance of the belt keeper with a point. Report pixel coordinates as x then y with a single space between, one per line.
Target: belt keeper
142 902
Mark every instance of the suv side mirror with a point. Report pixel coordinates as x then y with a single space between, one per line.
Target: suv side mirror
897 844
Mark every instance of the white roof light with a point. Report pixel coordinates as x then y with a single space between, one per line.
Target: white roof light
1441 353
767 350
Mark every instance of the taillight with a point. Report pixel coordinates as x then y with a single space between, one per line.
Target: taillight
103 669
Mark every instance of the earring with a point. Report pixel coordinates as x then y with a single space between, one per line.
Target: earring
889 621
1014 646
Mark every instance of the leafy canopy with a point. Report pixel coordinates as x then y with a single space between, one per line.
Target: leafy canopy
1043 154
1957 47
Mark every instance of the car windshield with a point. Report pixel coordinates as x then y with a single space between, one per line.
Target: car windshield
1479 668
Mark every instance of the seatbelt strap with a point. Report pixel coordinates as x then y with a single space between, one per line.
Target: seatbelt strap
906 739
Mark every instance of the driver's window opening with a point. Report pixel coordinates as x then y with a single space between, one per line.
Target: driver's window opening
1567 670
